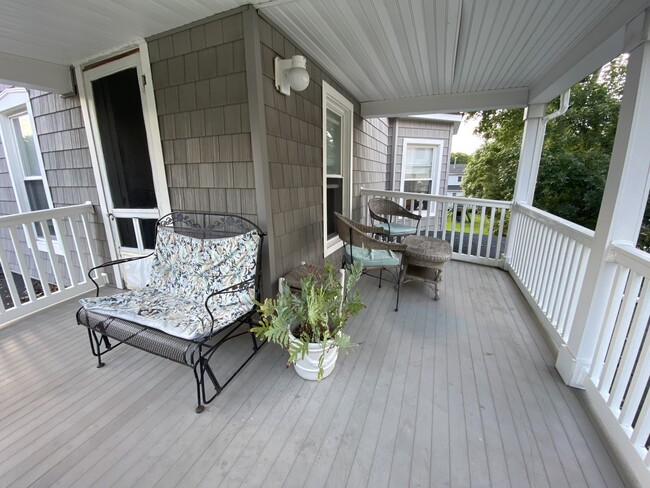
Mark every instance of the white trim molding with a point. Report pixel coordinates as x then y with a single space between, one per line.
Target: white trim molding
336 102
90 71
15 102
34 73
452 102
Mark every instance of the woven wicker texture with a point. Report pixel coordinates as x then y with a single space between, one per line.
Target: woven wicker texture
424 251
357 234
383 209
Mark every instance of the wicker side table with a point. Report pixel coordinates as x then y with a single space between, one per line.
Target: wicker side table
424 260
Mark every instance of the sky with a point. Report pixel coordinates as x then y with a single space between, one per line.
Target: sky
466 141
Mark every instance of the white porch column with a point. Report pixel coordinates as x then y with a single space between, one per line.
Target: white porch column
621 211
529 157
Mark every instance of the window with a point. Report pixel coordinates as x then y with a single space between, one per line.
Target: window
23 155
421 161
337 163
421 165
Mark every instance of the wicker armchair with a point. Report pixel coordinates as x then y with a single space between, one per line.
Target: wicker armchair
384 211
372 253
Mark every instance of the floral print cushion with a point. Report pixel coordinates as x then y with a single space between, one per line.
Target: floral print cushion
184 272
190 267
173 315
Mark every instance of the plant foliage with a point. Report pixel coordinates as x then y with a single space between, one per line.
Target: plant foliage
576 152
317 314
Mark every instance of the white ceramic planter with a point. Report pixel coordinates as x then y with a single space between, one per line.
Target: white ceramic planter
307 368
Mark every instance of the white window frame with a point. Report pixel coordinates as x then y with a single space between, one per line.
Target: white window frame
15 102
437 165
336 102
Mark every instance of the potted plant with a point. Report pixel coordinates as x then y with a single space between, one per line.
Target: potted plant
310 324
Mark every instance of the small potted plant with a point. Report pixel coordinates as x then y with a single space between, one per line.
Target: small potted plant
310 324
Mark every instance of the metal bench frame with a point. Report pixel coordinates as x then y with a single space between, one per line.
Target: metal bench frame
195 353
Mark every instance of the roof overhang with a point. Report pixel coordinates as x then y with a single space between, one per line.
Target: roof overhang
396 58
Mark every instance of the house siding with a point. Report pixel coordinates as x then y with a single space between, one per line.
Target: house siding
68 169
199 80
422 129
295 150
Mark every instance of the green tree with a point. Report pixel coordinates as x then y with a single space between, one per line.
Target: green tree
575 156
461 158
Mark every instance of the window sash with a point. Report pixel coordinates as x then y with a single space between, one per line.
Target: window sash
337 120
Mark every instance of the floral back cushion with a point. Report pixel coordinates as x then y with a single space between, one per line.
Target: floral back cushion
193 268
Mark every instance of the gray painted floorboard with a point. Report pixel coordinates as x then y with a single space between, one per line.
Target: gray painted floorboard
456 393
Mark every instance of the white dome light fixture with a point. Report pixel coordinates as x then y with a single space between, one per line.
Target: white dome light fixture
291 73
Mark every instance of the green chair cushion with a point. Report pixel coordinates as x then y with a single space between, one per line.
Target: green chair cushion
370 258
396 229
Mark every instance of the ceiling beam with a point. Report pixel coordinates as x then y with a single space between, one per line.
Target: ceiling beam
455 102
603 43
32 73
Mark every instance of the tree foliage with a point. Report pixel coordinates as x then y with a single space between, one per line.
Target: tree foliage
575 156
461 158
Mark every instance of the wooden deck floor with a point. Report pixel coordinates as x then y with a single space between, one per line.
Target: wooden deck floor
459 393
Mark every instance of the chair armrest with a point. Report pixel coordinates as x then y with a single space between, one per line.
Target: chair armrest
237 287
113 263
409 214
375 216
366 229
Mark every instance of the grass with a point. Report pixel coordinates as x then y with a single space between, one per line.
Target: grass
468 225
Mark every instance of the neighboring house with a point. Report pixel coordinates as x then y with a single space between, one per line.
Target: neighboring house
420 152
455 178
419 148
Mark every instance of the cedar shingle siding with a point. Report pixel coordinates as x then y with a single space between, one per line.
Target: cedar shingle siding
199 79
200 86
423 129
64 148
295 148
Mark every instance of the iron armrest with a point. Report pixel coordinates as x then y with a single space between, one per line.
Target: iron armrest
113 263
243 285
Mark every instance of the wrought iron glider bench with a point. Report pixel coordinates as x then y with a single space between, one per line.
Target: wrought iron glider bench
204 276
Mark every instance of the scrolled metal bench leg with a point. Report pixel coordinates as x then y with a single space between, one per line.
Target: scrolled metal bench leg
199 404
97 342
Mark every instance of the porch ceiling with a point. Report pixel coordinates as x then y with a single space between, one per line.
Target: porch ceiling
398 57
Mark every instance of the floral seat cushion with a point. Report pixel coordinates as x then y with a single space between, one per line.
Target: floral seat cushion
184 272
187 319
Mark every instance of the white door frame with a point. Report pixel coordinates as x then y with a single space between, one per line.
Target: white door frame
135 55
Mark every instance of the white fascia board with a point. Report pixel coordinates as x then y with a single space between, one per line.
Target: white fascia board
573 68
33 73
603 43
439 117
449 103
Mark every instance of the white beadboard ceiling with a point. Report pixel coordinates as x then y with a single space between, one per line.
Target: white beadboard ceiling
384 52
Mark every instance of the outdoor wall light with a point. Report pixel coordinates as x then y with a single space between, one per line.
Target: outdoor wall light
291 73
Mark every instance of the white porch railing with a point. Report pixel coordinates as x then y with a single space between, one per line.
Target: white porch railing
618 382
59 262
547 259
474 227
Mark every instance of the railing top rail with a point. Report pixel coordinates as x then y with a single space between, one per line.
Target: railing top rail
631 257
41 215
440 198
576 232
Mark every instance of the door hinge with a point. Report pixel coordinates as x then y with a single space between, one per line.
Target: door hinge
144 80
